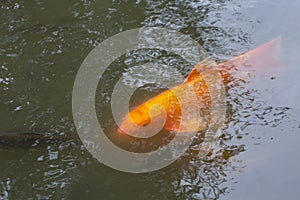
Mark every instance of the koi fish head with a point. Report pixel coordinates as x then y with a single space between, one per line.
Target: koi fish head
140 117
134 119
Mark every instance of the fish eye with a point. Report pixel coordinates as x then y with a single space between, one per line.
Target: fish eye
144 124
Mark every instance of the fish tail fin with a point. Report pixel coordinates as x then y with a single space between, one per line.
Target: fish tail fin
263 59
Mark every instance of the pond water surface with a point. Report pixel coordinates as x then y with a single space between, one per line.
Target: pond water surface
42 45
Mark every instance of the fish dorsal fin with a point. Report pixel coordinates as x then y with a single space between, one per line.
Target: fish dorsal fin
200 68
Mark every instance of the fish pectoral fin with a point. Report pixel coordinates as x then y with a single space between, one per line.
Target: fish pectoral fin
200 68
192 125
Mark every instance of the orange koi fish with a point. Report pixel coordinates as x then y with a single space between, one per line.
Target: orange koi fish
168 105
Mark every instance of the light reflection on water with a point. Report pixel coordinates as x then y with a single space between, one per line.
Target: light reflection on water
42 47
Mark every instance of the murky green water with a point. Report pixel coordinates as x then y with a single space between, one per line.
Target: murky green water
42 45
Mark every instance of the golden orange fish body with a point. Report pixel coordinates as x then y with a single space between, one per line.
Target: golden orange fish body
171 102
